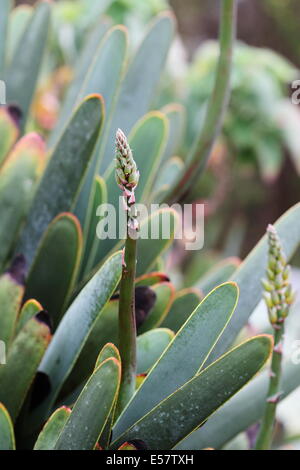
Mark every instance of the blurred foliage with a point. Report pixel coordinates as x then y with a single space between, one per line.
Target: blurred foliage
253 127
73 18
286 14
260 126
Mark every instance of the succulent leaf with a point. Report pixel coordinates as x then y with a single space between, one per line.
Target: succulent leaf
152 249
9 131
241 412
147 141
55 266
100 392
19 176
30 309
98 196
11 294
5 8
176 116
165 292
23 359
104 76
192 404
141 80
7 436
109 350
184 304
22 73
221 272
18 22
150 346
167 176
77 324
82 66
52 429
64 173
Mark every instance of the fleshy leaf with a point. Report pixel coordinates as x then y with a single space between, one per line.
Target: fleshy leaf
98 196
241 412
151 279
5 8
147 140
177 119
153 248
77 324
30 308
52 429
150 346
109 350
55 266
64 173
7 437
19 176
104 76
22 73
220 273
82 66
164 299
11 294
141 79
9 131
184 304
185 355
192 404
30 344
85 424
18 22
167 176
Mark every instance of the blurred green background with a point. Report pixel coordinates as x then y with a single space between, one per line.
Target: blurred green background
262 23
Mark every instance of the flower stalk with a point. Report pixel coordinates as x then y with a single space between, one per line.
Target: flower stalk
127 177
216 108
278 297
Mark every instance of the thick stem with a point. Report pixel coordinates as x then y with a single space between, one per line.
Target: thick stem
127 325
264 440
217 106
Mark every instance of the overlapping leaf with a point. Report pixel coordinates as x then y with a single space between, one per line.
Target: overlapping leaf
192 404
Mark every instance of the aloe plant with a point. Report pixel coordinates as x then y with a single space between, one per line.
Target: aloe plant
105 347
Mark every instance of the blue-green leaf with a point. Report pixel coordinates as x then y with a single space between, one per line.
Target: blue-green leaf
85 424
141 79
7 437
22 73
5 8
185 355
64 173
77 324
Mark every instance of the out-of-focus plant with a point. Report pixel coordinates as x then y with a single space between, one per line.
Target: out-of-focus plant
255 128
279 298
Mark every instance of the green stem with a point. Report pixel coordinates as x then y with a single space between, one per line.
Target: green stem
127 325
217 106
265 436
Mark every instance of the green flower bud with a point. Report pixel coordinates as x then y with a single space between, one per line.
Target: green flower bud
278 291
127 175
